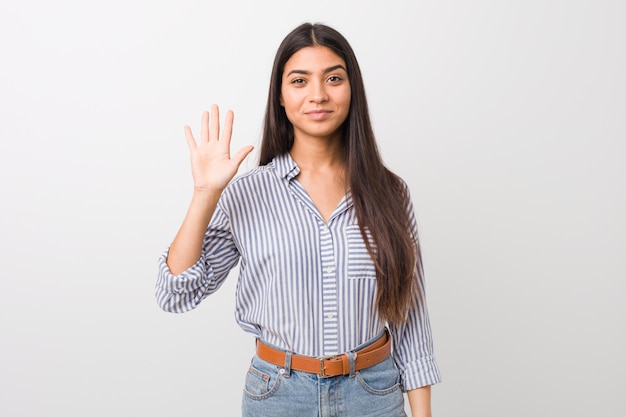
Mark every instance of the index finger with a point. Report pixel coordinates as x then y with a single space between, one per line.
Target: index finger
228 127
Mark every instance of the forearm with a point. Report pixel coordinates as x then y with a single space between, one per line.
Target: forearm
419 400
186 247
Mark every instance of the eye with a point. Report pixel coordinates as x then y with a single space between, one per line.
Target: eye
298 81
335 79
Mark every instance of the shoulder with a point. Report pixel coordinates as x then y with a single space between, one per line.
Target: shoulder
280 169
402 191
399 185
253 175
249 183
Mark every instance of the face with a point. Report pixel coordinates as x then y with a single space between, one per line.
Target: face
316 93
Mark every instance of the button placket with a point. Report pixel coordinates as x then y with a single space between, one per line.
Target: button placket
329 291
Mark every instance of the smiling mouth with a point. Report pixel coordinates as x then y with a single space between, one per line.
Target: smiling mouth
318 114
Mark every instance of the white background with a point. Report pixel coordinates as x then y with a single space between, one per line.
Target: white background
506 118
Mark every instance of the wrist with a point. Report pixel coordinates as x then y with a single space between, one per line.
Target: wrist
206 193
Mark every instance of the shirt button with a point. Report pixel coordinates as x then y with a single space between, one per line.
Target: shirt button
329 270
331 315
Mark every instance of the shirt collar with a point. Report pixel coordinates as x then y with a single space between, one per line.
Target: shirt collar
286 167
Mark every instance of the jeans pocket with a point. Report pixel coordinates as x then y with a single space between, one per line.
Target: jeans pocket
262 380
381 378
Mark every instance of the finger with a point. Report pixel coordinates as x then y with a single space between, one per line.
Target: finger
241 154
204 127
214 126
191 142
228 128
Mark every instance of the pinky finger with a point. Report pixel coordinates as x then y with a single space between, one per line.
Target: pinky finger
191 142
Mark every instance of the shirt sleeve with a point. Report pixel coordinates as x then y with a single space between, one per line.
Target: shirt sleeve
183 292
413 345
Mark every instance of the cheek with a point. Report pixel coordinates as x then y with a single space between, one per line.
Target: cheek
347 102
284 95
346 97
289 102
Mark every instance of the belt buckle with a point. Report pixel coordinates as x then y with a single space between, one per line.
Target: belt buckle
322 372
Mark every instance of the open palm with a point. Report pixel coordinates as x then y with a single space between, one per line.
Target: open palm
212 166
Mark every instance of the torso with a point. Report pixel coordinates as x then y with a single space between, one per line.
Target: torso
326 189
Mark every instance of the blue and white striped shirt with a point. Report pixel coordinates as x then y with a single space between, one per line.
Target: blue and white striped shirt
305 285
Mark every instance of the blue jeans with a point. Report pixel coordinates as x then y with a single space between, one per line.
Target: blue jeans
276 391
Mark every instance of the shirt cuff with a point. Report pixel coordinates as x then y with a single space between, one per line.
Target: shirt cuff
419 373
182 292
185 282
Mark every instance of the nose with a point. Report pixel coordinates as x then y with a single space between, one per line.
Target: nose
318 93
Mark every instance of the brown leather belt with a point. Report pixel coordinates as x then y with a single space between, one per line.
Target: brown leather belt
329 366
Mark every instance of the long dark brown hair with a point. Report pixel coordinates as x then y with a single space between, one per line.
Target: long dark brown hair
380 197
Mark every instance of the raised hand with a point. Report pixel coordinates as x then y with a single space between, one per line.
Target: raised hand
212 166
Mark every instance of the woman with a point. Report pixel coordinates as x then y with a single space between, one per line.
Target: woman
330 280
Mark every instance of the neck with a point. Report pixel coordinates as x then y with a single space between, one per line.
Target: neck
314 153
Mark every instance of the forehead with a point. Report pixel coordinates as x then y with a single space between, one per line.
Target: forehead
312 59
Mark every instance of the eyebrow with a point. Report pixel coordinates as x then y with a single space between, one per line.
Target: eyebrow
327 70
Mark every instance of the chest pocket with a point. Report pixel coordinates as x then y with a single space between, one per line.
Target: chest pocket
360 264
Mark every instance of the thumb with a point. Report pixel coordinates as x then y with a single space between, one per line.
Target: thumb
241 154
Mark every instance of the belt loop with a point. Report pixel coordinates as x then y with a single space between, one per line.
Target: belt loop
352 360
287 367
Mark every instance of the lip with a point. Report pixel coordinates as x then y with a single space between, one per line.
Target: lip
318 114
